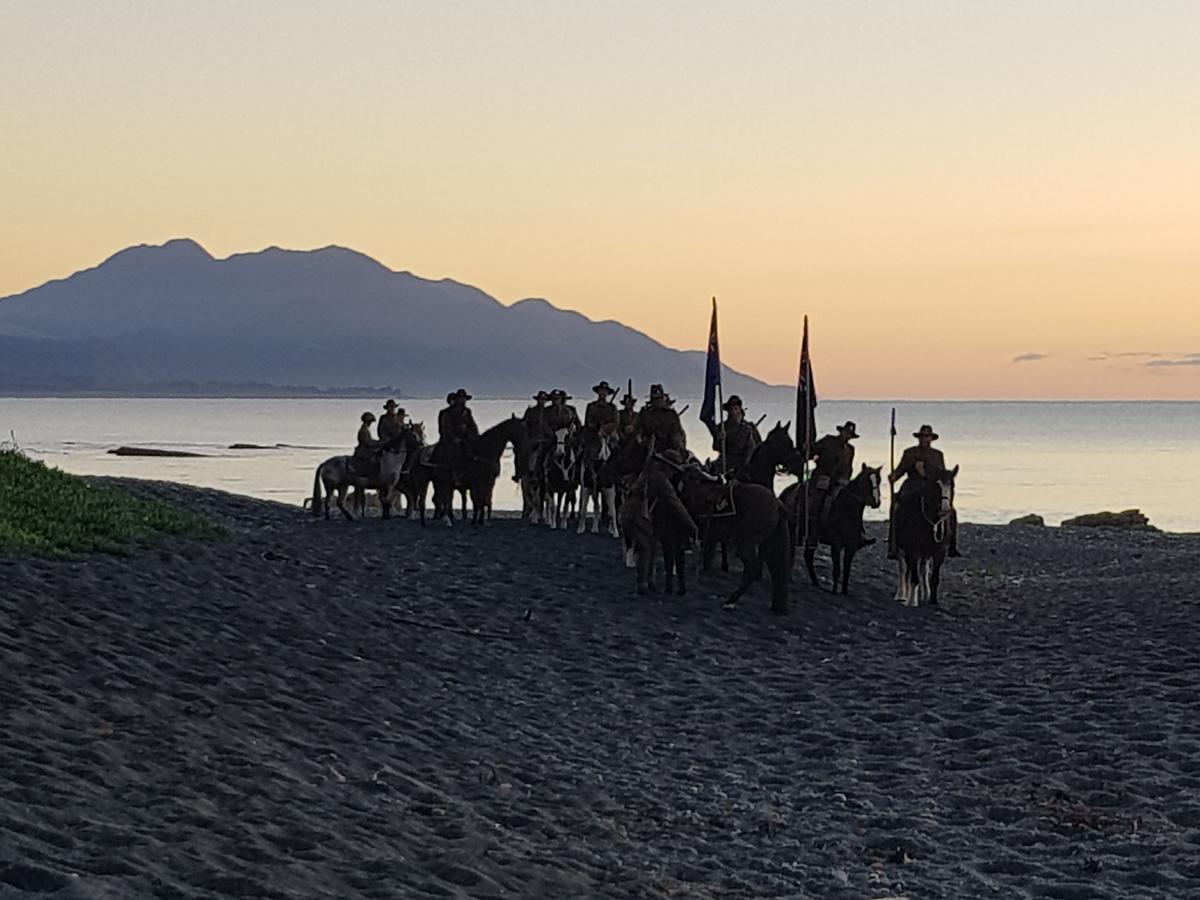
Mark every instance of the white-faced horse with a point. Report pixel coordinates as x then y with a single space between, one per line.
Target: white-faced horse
924 528
597 485
560 467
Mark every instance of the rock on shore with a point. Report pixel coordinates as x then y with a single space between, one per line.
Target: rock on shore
1130 520
311 709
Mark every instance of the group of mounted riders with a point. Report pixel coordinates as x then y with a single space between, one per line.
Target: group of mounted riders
646 485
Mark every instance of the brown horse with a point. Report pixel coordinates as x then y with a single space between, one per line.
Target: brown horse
750 518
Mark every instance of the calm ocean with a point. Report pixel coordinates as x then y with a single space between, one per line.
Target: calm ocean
1058 459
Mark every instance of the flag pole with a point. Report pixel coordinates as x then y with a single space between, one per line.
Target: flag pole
891 483
807 429
720 402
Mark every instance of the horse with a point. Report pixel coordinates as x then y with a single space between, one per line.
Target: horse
652 516
774 453
483 463
560 471
841 529
597 483
751 518
924 526
337 474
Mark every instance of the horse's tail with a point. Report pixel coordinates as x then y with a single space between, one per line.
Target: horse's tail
776 552
316 497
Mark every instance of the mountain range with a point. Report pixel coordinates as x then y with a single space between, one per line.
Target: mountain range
173 319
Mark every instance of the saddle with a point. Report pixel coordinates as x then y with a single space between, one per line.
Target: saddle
365 466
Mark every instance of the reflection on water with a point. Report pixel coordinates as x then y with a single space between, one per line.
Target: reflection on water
1056 459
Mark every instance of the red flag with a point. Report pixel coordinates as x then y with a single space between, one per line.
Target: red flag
806 400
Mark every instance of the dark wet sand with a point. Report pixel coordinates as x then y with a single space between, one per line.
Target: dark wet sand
312 709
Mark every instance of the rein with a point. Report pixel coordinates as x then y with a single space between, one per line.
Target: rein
941 526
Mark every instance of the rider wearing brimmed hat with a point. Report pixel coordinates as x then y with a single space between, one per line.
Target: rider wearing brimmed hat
741 438
834 455
913 466
560 414
456 424
535 426
391 423
601 412
661 422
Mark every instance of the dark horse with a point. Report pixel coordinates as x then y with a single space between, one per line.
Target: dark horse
474 468
841 529
924 525
483 463
776 453
751 518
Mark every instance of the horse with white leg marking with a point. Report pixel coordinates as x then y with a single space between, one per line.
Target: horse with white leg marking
560 467
924 525
597 483
337 475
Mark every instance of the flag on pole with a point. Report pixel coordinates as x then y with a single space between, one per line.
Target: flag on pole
806 400
712 375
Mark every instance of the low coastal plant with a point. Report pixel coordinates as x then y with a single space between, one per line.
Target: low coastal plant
48 512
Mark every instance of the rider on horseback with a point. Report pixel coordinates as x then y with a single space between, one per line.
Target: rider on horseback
391 423
917 466
559 414
661 422
835 464
736 438
456 427
627 417
601 412
535 426
365 461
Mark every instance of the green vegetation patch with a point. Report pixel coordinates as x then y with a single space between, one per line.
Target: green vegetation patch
48 512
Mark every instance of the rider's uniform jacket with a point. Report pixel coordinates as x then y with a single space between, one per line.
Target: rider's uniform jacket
835 459
662 423
366 444
456 423
600 413
389 426
535 422
930 456
741 440
558 417
626 420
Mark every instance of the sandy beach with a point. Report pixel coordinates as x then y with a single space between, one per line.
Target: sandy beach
327 709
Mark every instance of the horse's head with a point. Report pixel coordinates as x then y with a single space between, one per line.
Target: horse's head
562 443
942 482
607 446
418 430
870 481
778 443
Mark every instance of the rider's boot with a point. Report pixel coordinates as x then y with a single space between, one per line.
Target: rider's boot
893 550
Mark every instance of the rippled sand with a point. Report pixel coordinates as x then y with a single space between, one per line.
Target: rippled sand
329 709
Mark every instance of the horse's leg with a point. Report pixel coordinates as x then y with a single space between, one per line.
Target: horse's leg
610 504
810 555
835 565
849 558
341 501
680 566
902 580
582 527
751 572
935 575
724 556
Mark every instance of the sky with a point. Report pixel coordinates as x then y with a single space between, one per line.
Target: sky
995 200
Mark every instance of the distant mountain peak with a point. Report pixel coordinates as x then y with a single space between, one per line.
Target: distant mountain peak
173 251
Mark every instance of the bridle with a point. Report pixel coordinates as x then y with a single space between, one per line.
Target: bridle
941 525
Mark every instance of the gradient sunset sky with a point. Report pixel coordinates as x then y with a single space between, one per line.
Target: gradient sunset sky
968 199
